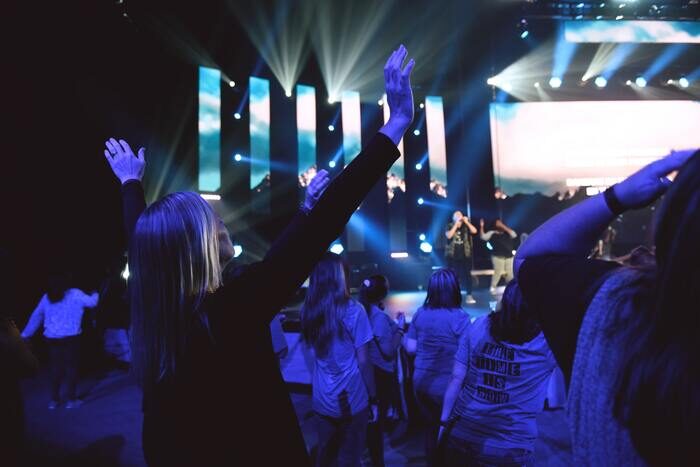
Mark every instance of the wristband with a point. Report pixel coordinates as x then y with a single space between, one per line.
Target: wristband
613 201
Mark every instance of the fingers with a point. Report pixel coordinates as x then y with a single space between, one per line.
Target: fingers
110 147
108 156
116 147
406 73
126 147
141 154
668 164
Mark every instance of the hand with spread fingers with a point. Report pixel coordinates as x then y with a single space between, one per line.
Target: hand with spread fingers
399 96
124 163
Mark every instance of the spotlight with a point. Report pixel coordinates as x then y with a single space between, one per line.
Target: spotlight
232 83
237 251
426 247
237 157
491 81
421 105
419 166
640 81
416 132
421 237
507 87
628 82
399 254
683 82
555 82
331 100
537 84
288 93
599 17
523 35
601 82
420 201
331 128
331 164
619 17
380 102
210 196
237 116
337 248
669 82
125 273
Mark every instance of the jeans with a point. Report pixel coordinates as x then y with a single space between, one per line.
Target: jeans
502 266
462 453
462 266
387 396
63 356
430 406
341 441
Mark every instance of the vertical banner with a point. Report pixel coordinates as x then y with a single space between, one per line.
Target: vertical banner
306 134
352 125
352 145
209 124
259 111
437 151
396 178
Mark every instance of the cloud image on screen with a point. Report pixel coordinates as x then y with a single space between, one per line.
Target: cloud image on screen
555 147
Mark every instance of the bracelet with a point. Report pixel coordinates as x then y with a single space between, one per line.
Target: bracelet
613 201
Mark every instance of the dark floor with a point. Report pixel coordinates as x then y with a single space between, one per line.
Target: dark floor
106 430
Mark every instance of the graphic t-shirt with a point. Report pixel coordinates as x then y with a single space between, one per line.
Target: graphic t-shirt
504 388
383 328
337 386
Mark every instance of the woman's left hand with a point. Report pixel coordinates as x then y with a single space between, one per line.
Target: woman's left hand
316 188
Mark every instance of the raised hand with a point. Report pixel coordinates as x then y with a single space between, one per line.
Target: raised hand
125 165
399 96
316 188
650 182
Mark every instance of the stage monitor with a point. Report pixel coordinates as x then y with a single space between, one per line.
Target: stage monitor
558 147
683 32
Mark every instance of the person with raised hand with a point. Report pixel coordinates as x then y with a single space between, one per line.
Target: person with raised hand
190 325
625 337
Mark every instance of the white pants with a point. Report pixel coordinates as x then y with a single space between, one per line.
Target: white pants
501 267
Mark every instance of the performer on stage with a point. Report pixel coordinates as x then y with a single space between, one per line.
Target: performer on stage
458 250
502 239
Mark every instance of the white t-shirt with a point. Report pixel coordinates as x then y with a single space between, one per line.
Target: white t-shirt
338 389
63 318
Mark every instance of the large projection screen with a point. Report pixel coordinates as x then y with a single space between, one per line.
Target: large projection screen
551 147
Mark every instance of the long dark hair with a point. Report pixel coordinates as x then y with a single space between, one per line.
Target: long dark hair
658 390
58 285
443 290
373 290
515 322
327 296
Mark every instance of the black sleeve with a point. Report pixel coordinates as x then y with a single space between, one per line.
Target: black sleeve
133 204
265 287
559 290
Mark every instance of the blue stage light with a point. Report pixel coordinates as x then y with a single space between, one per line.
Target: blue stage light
419 166
426 247
683 82
555 82
416 132
640 81
237 251
421 201
237 157
337 248
601 82
421 237
331 164
524 34
331 128
231 83
237 116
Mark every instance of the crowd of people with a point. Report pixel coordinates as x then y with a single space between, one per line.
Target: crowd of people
624 335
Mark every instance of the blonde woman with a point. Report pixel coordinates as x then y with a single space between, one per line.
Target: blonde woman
213 393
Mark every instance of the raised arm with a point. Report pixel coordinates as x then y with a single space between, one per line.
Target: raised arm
129 169
573 232
292 257
452 230
470 226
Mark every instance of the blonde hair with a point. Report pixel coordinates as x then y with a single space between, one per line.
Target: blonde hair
173 264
